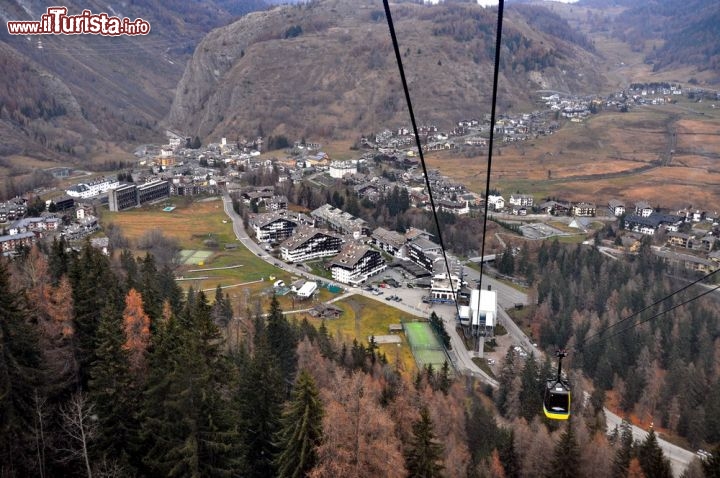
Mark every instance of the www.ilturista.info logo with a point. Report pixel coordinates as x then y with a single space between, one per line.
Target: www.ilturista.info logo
57 21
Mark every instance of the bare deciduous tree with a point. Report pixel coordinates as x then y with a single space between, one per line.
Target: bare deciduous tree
79 423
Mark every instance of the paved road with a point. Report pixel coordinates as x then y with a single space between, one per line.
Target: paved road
411 298
507 296
679 457
461 358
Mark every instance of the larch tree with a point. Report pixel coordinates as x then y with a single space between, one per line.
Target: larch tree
359 435
496 466
301 429
533 445
53 307
595 458
423 456
634 469
136 325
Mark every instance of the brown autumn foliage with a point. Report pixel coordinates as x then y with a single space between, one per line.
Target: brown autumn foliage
448 417
496 467
595 457
534 446
635 470
137 330
359 435
52 308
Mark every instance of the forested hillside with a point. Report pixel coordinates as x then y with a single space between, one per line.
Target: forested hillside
109 369
667 369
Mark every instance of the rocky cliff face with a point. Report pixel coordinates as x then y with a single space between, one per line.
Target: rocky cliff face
70 97
327 69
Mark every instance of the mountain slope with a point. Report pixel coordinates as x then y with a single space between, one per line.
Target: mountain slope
328 69
115 90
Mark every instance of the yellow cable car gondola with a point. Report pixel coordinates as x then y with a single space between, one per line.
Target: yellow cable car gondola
556 403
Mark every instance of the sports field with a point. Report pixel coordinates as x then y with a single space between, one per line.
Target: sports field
424 345
194 257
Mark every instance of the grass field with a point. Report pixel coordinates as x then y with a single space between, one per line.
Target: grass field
192 223
604 157
363 317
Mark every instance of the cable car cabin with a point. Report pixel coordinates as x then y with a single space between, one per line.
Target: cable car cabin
556 403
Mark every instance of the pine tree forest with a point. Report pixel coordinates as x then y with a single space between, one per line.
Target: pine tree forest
109 369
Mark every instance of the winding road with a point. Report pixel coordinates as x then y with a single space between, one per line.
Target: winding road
460 356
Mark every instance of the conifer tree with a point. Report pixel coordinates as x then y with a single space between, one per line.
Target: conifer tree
507 374
651 458
301 430
443 378
169 289
20 367
531 391
282 339
423 457
112 391
129 264
481 429
149 287
187 420
625 451
566 458
58 260
324 342
136 325
506 450
90 273
222 312
260 396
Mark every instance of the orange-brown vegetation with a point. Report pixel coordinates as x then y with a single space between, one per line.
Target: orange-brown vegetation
137 329
600 159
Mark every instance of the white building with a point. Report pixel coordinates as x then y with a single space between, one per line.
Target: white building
93 188
307 290
524 200
441 288
497 202
356 263
338 169
481 314
308 244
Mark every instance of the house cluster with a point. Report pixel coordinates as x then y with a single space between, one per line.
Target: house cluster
356 253
690 235
656 93
572 107
73 221
12 210
327 232
467 133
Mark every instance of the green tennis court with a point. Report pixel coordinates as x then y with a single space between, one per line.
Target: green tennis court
194 257
421 336
425 346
